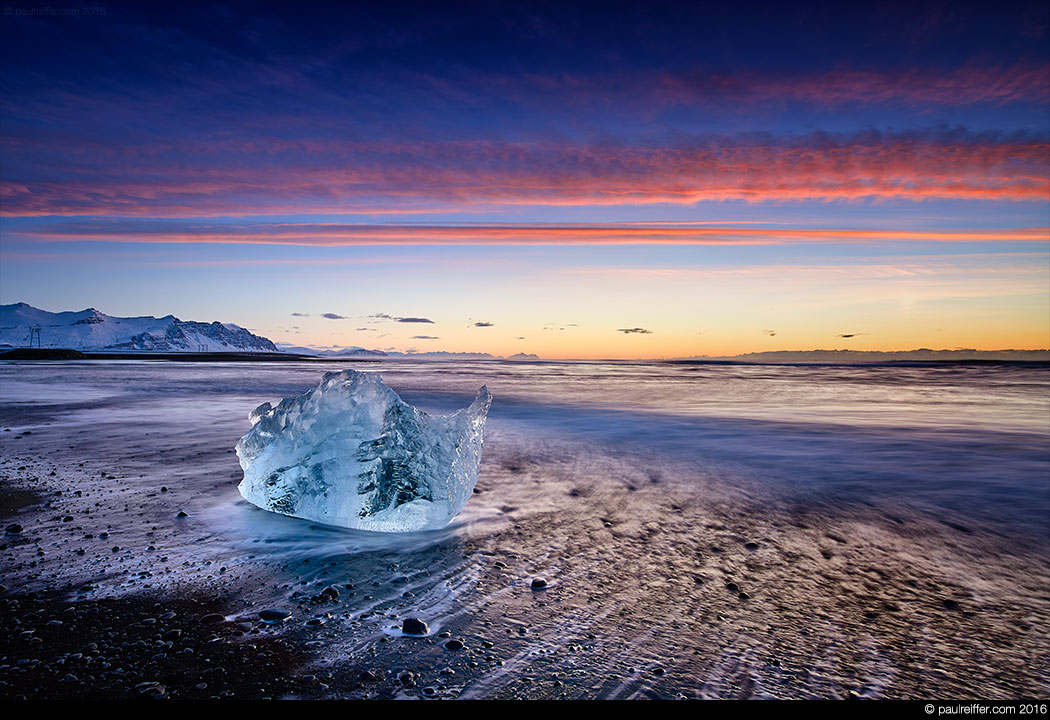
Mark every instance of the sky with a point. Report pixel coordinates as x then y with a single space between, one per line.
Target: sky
574 180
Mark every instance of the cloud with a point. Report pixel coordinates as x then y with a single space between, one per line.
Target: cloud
424 337
384 316
333 316
231 177
296 314
559 326
770 333
638 330
481 324
578 234
849 335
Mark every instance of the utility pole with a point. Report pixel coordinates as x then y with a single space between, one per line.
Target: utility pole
34 332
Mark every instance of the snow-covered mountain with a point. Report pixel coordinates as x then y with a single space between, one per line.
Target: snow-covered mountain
92 330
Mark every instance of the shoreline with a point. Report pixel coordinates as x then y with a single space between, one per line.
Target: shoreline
39 354
17 355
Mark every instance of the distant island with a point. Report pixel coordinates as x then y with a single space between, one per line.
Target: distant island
875 356
363 353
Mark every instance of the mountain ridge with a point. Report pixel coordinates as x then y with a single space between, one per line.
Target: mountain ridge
360 352
874 356
91 329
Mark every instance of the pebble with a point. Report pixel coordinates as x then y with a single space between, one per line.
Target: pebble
213 619
453 645
274 615
538 583
414 626
13 529
151 689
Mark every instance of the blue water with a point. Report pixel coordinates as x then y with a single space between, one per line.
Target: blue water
972 441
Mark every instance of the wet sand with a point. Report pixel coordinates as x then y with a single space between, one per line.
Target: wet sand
665 580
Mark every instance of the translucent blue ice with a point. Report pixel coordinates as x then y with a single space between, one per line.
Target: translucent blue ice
351 453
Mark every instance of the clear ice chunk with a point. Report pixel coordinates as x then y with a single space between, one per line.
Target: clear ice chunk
351 453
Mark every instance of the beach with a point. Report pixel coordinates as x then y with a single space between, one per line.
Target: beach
702 531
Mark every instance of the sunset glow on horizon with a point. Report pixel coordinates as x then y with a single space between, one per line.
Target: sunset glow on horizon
538 179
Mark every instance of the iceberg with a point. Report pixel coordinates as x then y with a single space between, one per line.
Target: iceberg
351 453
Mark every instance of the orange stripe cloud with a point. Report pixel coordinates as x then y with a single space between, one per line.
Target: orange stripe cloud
511 234
322 177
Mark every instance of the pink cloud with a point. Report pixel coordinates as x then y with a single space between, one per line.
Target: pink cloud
318 176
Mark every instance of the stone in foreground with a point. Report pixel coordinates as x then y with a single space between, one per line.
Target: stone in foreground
351 453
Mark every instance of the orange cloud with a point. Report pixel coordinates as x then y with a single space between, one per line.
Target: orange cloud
512 234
